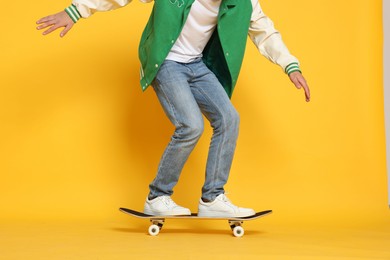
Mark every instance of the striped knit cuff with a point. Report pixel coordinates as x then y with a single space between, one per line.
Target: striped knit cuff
73 13
292 67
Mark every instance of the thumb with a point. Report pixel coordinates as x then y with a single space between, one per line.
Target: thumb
66 30
296 82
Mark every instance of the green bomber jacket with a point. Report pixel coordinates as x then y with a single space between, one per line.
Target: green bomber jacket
225 50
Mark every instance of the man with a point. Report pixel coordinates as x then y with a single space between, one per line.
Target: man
191 53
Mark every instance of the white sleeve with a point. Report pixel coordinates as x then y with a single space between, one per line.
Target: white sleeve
268 40
88 7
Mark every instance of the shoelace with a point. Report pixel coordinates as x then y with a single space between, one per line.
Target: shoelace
226 199
168 201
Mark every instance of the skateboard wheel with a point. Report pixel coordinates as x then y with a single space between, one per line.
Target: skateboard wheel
238 231
154 230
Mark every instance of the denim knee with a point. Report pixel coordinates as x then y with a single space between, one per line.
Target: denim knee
229 121
191 131
234 119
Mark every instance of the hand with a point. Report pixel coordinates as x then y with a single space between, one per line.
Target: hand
300 82
56 21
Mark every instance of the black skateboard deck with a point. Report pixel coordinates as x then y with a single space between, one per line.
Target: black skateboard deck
158 221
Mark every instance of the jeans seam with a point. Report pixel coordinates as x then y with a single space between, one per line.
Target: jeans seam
223 138
169 147
170 105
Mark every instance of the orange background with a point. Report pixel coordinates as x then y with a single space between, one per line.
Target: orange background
78 138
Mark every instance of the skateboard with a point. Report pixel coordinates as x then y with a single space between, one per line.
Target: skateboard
157 222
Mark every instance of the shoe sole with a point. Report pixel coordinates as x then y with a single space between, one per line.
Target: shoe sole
224 215
167 213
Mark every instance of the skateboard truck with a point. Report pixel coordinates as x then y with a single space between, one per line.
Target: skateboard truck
236 226
156 226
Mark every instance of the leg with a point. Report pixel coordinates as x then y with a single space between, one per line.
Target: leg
224 119
216 106
173 91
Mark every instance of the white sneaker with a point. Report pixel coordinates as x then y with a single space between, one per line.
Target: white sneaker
222 207
164 206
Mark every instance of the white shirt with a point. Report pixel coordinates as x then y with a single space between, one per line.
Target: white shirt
261 30
197 30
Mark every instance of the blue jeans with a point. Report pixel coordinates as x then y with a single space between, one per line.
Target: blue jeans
186 91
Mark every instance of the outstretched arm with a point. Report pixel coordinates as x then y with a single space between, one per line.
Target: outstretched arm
270 44
78 9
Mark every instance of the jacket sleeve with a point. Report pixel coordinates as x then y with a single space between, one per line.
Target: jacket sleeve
86 8
269 41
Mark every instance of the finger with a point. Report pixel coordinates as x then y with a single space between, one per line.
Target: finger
45 19
51 29
45 25
307 94
66 30
296 82
306 89
300 82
